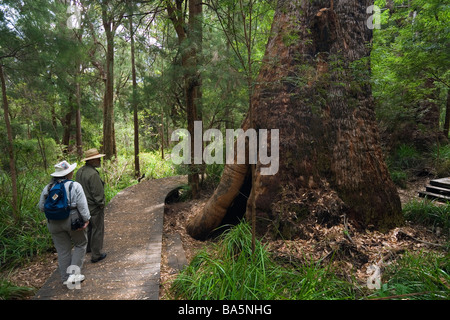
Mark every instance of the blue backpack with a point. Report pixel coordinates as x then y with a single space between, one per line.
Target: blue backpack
57 206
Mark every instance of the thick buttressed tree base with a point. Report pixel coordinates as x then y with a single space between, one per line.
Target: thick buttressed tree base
314 86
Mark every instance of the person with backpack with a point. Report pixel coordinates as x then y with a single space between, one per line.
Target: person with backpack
65 206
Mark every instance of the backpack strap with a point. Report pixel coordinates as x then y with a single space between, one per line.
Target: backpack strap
70 194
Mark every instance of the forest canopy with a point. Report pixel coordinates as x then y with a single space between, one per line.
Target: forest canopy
58 66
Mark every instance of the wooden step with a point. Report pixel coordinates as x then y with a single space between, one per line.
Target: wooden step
442 183
434 196
437 190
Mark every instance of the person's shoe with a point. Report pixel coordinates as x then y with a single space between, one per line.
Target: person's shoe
102 256
74 278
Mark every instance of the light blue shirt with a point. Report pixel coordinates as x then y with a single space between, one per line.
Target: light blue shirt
77 199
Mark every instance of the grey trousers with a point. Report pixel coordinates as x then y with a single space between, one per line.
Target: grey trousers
63 238
96 231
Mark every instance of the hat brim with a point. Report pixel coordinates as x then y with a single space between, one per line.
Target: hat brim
65 172
94 157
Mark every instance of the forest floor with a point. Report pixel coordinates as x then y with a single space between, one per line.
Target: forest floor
353 251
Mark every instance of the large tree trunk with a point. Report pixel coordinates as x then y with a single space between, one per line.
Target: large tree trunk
314 87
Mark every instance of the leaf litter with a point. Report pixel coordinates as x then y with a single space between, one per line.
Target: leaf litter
353 253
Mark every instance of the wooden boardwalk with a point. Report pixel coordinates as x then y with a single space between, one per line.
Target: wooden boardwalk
133 243
437 189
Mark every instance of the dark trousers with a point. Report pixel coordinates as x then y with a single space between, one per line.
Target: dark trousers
96 229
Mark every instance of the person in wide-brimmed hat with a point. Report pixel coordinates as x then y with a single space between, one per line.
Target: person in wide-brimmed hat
62 231
92 154
93 186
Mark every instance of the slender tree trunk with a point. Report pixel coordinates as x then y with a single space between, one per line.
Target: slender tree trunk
427 115
137 170
54 124
162 134
189 63
79 73
314 86
12 162
109 141
67 126
42 149
192 83
447 115
79 140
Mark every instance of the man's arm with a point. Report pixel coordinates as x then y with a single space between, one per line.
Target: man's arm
97 190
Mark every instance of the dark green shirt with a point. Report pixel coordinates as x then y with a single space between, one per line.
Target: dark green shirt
93 186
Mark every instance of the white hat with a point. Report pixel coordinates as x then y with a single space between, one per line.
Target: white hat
63 168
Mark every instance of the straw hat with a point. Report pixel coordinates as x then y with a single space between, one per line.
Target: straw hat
63 168
92 154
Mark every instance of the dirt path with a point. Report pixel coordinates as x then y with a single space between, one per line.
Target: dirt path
133 241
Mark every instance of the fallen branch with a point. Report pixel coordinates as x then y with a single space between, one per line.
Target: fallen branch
422 241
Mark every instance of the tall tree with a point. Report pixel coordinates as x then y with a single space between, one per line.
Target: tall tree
15 47
137 169
112 14
12 161
189 40
78 134
314 86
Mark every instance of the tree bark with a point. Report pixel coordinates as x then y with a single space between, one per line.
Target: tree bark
162 134
447 115
109 141
67 125
314 87
137 169
79 74
79 140
192 83
12 162
189 62
426 128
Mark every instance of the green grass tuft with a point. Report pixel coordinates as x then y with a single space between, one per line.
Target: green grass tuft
417 276
229 270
